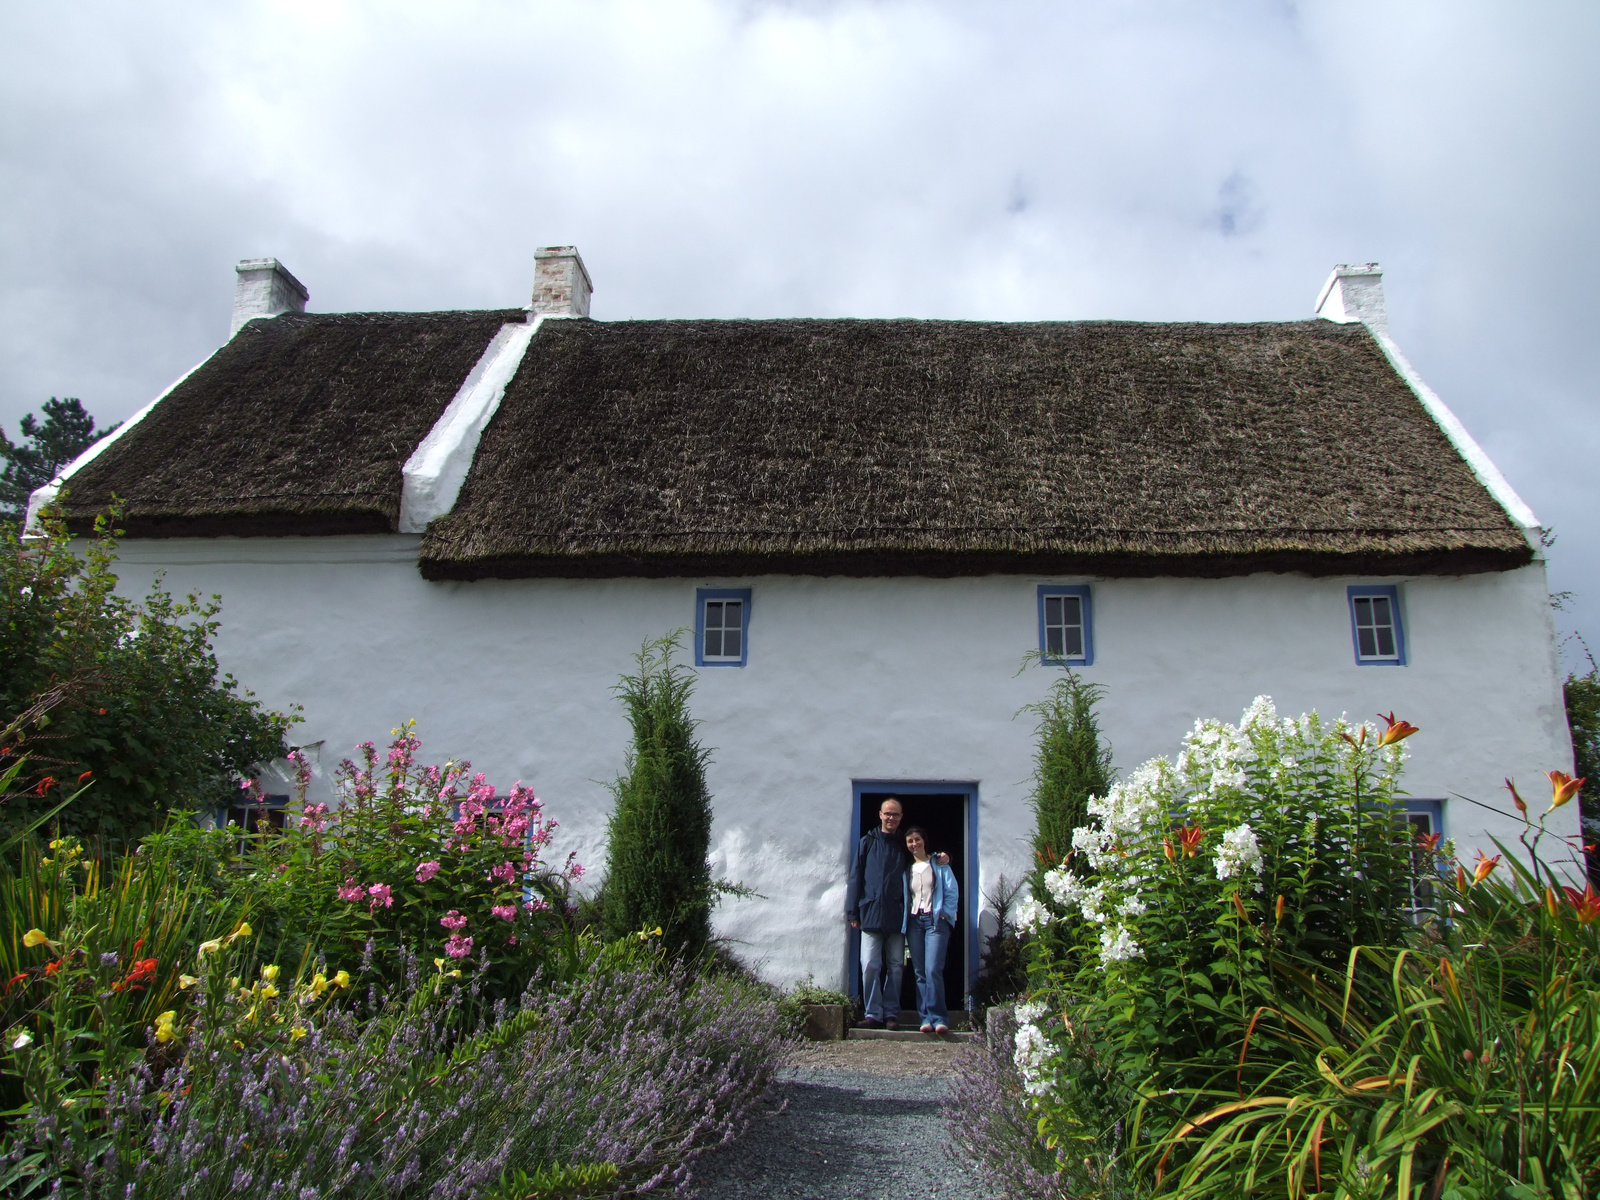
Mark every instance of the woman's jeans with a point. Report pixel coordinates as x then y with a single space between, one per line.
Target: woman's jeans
930 938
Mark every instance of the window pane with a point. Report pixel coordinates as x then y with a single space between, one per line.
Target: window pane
730 643
1074 641
713 614
1380 611
1366 642
713 643
1072 610
1052 610
1052 641
1363 612
1385 642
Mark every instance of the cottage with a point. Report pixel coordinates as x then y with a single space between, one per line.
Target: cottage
476 518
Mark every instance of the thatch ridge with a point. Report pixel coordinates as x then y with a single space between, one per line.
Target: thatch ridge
299 425
945 447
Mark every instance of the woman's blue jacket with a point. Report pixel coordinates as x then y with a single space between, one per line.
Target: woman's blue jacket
946 895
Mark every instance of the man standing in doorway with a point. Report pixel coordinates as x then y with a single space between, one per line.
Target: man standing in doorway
876 906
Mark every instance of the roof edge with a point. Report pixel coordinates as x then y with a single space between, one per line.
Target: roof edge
951 564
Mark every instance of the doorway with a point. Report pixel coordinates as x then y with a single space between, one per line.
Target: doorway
949 813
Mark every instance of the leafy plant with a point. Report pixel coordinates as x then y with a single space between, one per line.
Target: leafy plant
1582 693
792 1005
128 692
414 859
660 831
1071 766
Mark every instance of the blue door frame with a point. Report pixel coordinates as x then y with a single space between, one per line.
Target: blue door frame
969 907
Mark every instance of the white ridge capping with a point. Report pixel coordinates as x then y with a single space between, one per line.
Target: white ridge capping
1354 292
432 477
47 494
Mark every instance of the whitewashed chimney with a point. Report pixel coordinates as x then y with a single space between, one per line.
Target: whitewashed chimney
1354 292
561 286
264 289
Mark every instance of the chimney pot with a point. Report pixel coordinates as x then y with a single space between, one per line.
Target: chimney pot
264 289
1354 292
561 286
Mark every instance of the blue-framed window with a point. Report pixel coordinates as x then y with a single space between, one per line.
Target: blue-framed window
1426 820
721 627
1066 624
1375 625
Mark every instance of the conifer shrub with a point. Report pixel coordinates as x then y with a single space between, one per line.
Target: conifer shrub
660 830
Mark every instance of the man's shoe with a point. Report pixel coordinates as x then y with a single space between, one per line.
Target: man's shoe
926 1027
869 1023
891 1023
941 1027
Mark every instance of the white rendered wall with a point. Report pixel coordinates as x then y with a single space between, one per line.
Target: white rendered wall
912 679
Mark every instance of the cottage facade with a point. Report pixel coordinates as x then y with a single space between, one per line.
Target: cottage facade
476 519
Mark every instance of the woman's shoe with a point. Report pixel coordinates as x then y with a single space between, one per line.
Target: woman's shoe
941 1027
926 1027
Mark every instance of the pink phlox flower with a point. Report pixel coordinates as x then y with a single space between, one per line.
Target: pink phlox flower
351 889
453 920
458 946
505 872
427 870
380 894
314 817
506 912
540 905
574 867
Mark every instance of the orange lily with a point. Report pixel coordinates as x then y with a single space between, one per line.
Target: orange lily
1238 905
1190 836
1516 799
1277 910
1398 731
1429 841
1550 903
1586 902
1461 879
1166 848
1563 787
1480 872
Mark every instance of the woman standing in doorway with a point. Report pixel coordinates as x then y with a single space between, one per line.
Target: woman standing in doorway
931 896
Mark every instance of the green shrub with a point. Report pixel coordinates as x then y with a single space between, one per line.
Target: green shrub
657 875
1070 767
792 1004
1582 693
133 691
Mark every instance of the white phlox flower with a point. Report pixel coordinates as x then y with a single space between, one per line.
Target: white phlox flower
1032 916
1031 1056
1239 855
1117 945
1030 1011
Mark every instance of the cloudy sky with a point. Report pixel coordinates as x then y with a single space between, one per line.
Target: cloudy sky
1141 160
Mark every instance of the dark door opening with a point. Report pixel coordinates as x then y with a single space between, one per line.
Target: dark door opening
945 818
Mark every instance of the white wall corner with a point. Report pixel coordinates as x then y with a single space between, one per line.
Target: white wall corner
1466 445
42 496
432 477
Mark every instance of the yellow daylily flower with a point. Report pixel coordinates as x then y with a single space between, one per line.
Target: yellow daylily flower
270 973
298 1032
210 947
342 979
186 981
164 1030
319 984
35 937
269 991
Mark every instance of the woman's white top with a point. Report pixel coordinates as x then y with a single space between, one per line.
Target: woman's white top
921 887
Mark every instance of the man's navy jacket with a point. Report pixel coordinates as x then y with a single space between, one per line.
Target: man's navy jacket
877 896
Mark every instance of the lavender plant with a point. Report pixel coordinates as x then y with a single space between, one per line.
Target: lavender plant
634 1070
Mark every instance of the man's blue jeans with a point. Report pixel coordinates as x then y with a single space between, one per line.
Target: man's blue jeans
882 958
930 939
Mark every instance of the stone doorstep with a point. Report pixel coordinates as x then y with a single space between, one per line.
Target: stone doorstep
910 1035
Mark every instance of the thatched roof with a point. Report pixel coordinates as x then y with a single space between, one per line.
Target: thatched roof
299 425
946 447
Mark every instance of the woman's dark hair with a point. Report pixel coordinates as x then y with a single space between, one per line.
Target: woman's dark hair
920 832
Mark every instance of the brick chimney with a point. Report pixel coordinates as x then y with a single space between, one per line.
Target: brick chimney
1354 292
561 286
264 289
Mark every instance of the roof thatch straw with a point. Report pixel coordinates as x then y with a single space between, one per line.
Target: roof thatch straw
943 448
299 425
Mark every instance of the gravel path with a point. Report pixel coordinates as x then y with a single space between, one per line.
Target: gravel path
847 1121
